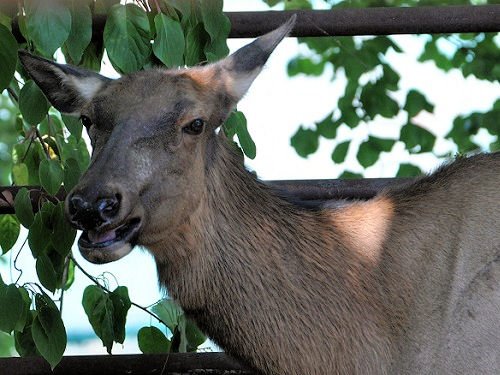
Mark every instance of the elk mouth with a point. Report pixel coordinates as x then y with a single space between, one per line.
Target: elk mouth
111 244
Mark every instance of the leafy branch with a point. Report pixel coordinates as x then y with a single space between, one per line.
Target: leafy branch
107 290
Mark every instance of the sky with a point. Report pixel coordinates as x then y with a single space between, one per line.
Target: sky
274 106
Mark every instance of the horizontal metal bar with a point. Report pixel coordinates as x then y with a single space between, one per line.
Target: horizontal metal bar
186 363
317 190
355 21
371 21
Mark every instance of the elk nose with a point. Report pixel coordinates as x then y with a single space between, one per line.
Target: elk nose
87 215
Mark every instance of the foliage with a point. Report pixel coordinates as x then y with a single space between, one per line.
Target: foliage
41 147
371 83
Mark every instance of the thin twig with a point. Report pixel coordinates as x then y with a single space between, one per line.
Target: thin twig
95 281
45 149
15 260
61 300
13 94
28 149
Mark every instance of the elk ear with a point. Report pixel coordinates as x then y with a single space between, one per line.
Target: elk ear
242 67
68 88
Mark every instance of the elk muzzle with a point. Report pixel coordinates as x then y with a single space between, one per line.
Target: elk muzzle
110 229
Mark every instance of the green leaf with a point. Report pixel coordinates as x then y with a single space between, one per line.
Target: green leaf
327 127
218 49
99 309
23 208
81 30
369 151
211 13
51 175
63 235
169 43
417 139
432 52
121 304
195 40
246 142
49 333
20 174
72 174
32 103
368 154
92 56
9 230
70 275
127 37
181 334
48 24
305 142
305 65
346 106
5 19
46 272
104 6
376 101
24 343
217 25
75 149
74 126
340 152
194 336
182 6
231 123
31 156
382 144
408 170
463 128
152 341
416 102
390 78
169 312
38 236
346 175
11 307
23 317
8 57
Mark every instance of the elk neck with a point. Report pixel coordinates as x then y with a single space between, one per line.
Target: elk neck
248 257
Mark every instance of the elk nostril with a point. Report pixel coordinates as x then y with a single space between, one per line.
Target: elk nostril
108 207
76 203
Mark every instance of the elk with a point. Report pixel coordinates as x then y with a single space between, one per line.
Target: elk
404 283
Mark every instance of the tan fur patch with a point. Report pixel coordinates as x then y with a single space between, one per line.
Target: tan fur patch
364 226
202 76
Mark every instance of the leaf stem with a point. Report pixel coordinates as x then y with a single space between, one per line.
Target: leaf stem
95 281
158 9
13 94
45 149
15 261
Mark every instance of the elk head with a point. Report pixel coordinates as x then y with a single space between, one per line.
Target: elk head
152 135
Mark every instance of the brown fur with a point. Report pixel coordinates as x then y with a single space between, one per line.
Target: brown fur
406 283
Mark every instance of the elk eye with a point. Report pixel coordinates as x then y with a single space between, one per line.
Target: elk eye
87 122
195 127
